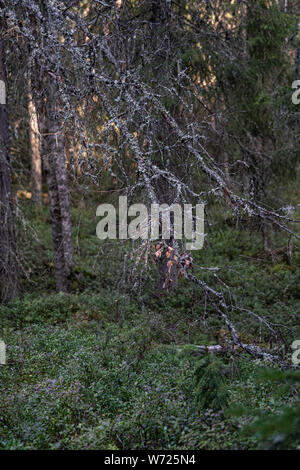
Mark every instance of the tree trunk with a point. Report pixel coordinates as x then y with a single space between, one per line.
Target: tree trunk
8 265
34 137
54 160
57 182
297 61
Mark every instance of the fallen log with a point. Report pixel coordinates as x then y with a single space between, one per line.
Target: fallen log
252 349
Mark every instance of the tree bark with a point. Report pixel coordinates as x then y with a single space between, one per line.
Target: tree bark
57 182
34 137
297 60
8 264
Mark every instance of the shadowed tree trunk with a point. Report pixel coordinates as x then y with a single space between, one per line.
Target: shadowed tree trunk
297 58
57 182
34 136
8 270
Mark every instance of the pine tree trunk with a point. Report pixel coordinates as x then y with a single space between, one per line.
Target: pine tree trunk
57 182
297 61
34 136
8 265
54 162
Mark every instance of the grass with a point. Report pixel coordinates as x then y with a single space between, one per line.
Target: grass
103 367
81 386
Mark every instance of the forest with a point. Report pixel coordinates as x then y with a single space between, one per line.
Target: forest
149 225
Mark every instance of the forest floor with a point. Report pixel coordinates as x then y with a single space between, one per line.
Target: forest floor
100 369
